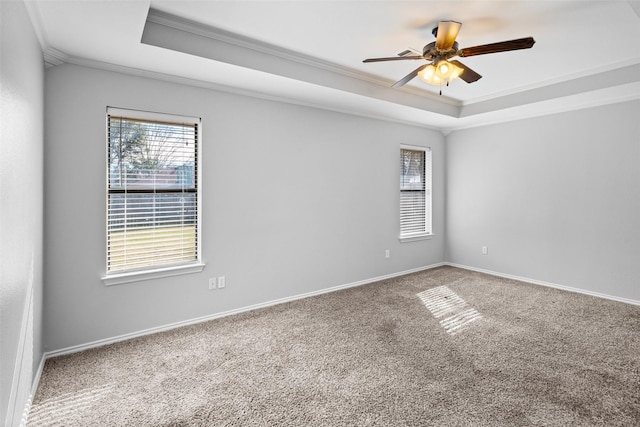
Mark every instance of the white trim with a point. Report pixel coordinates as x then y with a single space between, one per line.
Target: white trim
33 10
106 341
574 102
559 79
23 365
416 147
428 193
51 56
547 284
196 28
118 278
182 24
152 115
38 374
158 273
187 81
54 57
635 5
34 389
525 108
415 237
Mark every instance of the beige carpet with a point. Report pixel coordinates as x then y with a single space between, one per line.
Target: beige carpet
444 347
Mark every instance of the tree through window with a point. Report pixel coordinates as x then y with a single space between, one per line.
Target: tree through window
415 192
152 213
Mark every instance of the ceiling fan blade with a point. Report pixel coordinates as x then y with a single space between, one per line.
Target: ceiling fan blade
392 58
468 75
410 51
409 76
505 46
447 33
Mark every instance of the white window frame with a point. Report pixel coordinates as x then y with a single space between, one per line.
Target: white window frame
196 266
427 232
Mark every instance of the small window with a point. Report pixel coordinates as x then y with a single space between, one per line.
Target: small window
415 193
153 193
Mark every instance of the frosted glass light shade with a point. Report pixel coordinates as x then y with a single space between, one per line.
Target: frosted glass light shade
439 74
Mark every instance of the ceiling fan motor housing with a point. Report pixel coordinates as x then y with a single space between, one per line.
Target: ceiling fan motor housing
430 52
431 47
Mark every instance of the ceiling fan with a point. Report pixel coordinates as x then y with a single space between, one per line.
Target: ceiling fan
440 70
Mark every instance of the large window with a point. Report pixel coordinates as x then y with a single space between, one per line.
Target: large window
152 192
415 192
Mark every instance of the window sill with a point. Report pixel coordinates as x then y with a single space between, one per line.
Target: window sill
415 237
137 276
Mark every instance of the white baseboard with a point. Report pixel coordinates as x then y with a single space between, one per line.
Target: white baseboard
106 341
38 374
34 388
548 284
21 381
194 321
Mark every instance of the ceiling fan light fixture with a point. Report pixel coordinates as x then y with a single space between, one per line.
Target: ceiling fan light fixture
430 71
439 70
433 80
443 69
428 75
455 72
439 74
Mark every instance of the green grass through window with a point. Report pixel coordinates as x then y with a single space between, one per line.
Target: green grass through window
149 247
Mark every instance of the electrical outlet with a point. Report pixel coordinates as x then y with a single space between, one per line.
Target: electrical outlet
212 283
387 253
485 250
221 282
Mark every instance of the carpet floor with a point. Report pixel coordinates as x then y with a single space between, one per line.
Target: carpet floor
442 347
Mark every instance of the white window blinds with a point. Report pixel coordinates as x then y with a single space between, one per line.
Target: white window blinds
152 209
415 191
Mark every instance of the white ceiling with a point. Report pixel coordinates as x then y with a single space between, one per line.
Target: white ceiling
310 52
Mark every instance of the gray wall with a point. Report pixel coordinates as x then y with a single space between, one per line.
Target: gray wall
555 199
21 118
295 200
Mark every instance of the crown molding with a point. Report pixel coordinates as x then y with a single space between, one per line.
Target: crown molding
603 79
607 68
53 57
36 22
572 102
360 94
635 5
596 98
220 35
170 78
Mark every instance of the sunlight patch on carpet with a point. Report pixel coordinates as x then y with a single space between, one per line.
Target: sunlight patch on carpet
442 301
458 322
54 412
